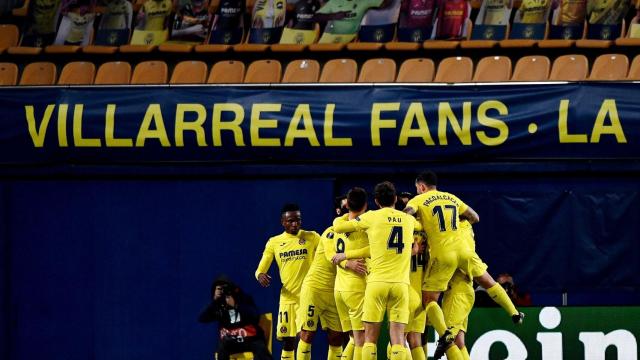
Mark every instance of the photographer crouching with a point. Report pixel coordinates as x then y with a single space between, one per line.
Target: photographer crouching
238 319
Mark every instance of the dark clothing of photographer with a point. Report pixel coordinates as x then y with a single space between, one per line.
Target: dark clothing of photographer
238 319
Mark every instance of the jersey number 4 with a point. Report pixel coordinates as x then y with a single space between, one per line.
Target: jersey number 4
395 239
441 220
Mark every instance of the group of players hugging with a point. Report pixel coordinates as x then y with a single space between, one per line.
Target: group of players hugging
369 263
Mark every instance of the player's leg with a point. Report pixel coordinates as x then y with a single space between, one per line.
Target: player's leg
373 309
456 305
347 352
307 323
478 270
287 330
440 269
330 320
398 319
355 303
461 345
334 338
416 325
415 345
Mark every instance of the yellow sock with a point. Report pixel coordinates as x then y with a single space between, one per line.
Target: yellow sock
453 353
407 353
501 298
398 352
357 353
335 353
436 317
465 353
347 353
388 350
418 353
369 352
304 350
287 355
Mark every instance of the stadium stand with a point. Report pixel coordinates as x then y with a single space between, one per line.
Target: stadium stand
263 71
570 68
189 72
77 73
339 71
378 71
8 74
39 73
113 73
9 35
610 67
150 72
226 72
455 69
634 69
532 68
416 71
493 69
302 71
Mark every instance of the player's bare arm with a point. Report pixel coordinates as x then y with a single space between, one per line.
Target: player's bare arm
409 210
470 215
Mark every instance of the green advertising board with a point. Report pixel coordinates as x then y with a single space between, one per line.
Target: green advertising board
549 333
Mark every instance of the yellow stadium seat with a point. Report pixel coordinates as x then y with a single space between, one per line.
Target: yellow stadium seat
39 73
263 71
610 67
532 68
378 71
339 71
113 73
150 72
570 68
8 74
455 69
416 71
189 72
227 72
634 70
493 69
9 35
302 71
77 73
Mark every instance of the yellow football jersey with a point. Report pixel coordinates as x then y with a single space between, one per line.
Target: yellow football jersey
294 255
534 11
347 280
156 13
418 263
322 273
466 232
438 212
390 234
495 12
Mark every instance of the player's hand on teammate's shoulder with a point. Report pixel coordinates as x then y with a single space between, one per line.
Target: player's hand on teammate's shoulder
264 279
358 266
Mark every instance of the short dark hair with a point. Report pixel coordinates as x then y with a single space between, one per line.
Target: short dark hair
427 178
356 199
406 194
385 193
289 207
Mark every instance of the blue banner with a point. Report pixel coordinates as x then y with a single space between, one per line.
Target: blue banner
348 123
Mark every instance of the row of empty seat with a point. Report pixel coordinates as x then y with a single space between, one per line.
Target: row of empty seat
380 70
